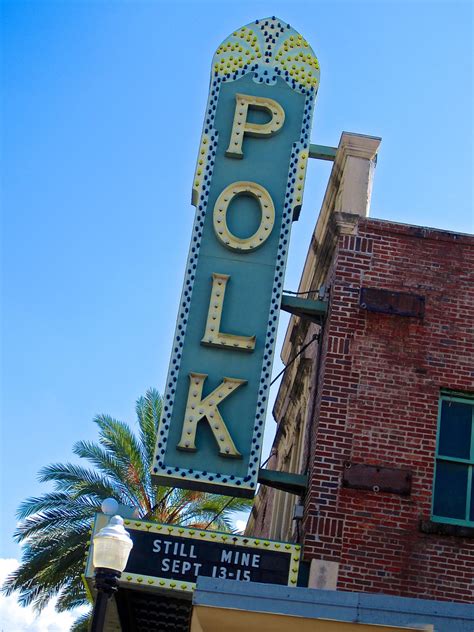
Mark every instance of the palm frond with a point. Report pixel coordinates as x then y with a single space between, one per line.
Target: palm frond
77 480
82 623
72 596
49 565
148 411
54 528
118 439
104 462
51 516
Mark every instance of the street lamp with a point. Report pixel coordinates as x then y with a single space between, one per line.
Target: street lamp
112 546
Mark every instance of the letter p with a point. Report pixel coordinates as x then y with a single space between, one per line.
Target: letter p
241 126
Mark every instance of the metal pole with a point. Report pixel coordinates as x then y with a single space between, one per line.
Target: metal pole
106 584
98 614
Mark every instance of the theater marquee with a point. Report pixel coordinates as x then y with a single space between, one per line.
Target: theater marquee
248 188
172 557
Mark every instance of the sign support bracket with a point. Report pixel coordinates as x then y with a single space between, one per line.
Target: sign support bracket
322 152
285 481
304 307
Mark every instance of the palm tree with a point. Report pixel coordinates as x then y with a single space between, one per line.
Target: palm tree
55 527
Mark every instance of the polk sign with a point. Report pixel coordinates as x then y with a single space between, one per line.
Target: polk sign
248 188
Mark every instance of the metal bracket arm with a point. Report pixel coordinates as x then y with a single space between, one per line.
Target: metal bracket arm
292 483
304 307
322 152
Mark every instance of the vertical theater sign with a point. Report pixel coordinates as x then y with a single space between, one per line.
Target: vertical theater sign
247 190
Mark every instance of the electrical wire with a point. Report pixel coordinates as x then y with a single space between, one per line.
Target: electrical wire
266 461
219 512
301 293
315 337
160 502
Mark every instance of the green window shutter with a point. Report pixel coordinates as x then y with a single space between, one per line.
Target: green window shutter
455 429
453 489
471 513
450 490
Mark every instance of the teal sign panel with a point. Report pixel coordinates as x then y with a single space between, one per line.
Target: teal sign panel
248 189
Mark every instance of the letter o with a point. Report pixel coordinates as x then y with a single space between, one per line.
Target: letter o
267 221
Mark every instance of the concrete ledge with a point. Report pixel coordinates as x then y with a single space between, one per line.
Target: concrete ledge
336 605
441 528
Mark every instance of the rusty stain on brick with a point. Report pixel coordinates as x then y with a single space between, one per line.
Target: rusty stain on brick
389 302
377 478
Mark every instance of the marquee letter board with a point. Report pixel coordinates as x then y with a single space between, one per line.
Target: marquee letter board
248 188
172 557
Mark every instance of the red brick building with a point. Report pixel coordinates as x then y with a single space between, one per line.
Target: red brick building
378 410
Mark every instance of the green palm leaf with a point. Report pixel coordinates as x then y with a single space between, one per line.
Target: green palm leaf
148 411
54 528
81 624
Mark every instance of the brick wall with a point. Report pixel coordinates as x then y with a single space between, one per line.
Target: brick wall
377 404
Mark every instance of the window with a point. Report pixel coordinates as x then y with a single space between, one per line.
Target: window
453 496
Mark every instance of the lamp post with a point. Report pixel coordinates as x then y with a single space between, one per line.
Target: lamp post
112 546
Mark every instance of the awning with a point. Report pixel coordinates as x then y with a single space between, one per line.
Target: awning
223 605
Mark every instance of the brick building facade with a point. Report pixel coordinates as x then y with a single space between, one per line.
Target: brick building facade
378 410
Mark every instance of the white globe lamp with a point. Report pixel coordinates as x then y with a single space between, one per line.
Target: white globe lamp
111 550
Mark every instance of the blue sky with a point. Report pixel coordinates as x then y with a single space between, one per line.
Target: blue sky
102 112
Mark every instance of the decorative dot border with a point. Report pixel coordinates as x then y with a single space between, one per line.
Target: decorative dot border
157 582
269 48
